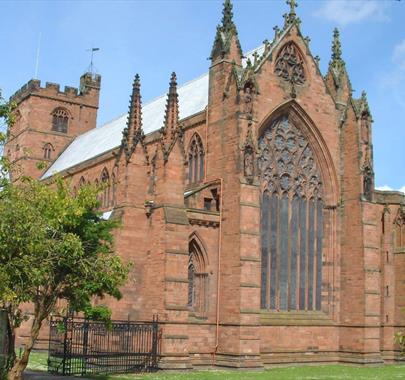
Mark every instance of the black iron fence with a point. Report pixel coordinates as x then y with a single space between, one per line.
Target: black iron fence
4 342
79 346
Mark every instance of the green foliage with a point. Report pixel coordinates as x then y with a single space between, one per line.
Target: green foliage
7 118
399 338
55 246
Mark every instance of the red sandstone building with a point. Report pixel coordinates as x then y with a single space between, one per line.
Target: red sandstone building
247 202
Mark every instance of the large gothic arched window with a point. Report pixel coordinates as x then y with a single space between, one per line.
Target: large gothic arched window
196 160
291 220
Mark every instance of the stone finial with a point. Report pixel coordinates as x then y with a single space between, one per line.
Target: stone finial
293 4
291 17
336 64
336 46
225 32
364 107
227 16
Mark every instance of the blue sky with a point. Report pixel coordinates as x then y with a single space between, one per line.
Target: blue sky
155 38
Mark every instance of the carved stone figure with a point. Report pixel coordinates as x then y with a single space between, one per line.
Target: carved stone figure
248 100
249 163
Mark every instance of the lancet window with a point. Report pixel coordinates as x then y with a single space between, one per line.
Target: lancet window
60 120
105 195
197 279
290 64
195 160
291 220
82 181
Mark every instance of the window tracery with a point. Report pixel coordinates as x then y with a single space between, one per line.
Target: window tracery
60 120
291 220
290 64
195 160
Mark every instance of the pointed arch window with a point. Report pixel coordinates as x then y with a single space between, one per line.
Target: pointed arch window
82 181
292 220
48 149
60 120
197 279
105 181
399 223
195 160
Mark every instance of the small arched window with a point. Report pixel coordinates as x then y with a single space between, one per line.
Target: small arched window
197 279
82 181
105 195
48 149
60 120
195 160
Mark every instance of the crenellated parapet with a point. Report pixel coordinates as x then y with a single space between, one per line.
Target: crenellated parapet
87 93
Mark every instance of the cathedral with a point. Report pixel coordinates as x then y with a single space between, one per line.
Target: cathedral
247 204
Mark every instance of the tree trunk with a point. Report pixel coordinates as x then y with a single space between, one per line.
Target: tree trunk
20 364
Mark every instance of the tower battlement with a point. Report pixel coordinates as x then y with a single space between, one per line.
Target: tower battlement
87 93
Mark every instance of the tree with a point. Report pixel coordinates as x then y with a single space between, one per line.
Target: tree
53 246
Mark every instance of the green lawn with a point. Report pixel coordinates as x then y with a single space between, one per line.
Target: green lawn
318 372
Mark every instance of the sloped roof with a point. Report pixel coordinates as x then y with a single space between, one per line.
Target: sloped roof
193 98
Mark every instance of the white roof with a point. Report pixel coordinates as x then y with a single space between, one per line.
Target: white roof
193 98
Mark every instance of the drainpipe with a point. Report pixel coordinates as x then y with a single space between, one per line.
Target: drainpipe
218 274
219 241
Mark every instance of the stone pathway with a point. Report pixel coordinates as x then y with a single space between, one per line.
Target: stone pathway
36 375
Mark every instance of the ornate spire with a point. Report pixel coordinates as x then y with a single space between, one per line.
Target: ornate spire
227 17
172 109
337 65
135 112
336 46
225 32
133 131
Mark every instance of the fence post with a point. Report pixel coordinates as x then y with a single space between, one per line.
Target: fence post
65 347
85 344
155 327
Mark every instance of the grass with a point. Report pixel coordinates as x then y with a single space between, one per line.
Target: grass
314 372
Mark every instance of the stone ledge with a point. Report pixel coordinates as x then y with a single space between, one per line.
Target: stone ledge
173 336
174 279
176 252
250 258
295 318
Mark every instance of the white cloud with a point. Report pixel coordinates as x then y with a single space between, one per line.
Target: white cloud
388 188
345 12
394 80
399 54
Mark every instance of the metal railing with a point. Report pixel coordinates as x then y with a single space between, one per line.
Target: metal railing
79 346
